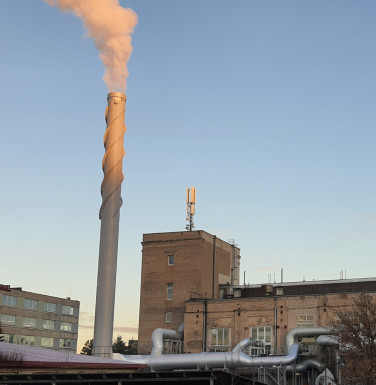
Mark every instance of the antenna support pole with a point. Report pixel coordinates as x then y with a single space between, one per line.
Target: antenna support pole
191 202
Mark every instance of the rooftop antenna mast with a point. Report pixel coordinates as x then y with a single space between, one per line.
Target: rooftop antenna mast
191 201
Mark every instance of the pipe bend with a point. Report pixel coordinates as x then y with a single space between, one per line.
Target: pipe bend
160 334
327 340
305 365
308 331
277 360
181 328
242 344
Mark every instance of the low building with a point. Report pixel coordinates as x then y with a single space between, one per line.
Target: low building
266 313
38 320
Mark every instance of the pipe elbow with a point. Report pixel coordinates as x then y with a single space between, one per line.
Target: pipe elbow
160 334
242 344
327 340
307 331
305 365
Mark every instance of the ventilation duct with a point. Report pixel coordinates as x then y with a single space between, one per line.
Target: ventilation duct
242 344
217 360
230 360
161 334
326 341
305 365
305 332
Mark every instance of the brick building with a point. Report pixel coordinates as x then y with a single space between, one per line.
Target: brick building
193 277
266 313
38 320
176 267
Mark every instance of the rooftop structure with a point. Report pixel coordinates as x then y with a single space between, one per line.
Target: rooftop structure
322 287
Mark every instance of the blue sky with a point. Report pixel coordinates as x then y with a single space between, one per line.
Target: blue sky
266 107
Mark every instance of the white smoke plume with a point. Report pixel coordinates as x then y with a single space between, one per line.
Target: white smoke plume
110 26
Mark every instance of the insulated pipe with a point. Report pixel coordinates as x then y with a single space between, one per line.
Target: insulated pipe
217 360
160 334
326 341
302 332
199 361
242 344
307 364
109 215
234 359
330 341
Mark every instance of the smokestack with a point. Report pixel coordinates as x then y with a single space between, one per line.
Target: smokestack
109 215
110 25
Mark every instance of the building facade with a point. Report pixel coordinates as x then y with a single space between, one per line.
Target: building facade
266 313
190 284
38 320
176 267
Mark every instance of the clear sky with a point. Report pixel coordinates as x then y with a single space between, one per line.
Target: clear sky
266 107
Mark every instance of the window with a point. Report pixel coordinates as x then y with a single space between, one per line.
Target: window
65 343
305 320
66 326
26 340
261 337
170 289
8 338
48 324
172 346
220 339
170 260
47 342
9 300
7 319
50 307
30 304
168 316
28 322
68 310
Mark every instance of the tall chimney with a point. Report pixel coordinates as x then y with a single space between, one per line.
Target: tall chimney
109 215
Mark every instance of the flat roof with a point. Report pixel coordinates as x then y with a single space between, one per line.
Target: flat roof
183 236
30 356
302 283
8 289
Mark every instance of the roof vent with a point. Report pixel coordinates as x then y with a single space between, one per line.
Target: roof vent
267 289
